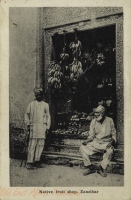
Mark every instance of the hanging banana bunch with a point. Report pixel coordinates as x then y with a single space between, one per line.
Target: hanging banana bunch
63 57
64 60
76 46
76 70
54 75
76 66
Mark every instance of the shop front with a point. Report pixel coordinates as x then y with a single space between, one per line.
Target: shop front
83 68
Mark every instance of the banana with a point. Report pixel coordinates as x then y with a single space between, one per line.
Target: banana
49 80
76 47
72 76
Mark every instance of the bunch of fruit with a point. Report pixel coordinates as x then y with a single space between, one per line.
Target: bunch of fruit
76 70
76 48
64 57
55 75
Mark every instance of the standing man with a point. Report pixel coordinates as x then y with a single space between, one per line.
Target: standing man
37 121
102 134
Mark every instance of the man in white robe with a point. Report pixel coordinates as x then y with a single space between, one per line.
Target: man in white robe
37 120
102 134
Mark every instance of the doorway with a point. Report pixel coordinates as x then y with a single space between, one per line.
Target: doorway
97 85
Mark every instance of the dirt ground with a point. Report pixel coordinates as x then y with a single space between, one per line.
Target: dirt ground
58 176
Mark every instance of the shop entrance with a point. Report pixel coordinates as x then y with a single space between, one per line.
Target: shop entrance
97 85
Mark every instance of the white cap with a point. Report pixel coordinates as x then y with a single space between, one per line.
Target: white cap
99 109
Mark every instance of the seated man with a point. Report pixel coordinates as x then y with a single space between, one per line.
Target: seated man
102 134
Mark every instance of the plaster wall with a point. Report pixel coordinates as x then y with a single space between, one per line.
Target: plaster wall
22 61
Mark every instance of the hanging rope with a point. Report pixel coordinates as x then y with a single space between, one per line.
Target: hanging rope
64 31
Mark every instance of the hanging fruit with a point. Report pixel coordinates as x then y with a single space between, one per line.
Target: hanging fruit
76 46
54 75
76 70
64 56
76 66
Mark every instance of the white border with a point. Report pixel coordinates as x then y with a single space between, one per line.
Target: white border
105 192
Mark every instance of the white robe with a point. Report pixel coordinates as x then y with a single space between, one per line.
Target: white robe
38 117
101 135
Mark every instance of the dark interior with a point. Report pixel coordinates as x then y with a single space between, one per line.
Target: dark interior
87 94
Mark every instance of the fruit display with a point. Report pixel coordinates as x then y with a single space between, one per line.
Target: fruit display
54 75
78 125
70 68
76 70
62 74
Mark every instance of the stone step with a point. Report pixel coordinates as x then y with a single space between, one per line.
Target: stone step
73 156
69 155
73 150
72 161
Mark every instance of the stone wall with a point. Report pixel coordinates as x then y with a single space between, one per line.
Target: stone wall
64 15
22 63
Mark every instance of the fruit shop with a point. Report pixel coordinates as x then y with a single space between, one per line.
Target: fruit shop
81 75
79 65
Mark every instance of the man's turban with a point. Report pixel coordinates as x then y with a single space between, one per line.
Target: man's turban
38 90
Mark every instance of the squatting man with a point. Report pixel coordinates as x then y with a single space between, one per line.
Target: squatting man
102 135
37 121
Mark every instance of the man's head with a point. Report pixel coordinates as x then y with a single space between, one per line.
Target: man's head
38 94
100 113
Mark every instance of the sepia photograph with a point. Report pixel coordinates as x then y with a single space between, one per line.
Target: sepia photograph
66 97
